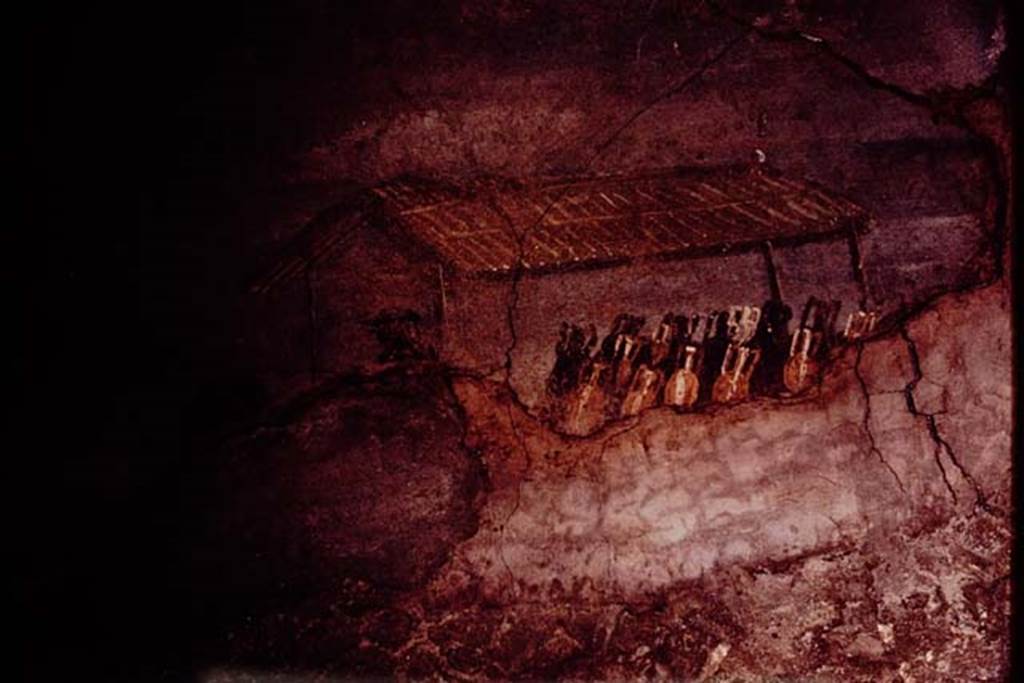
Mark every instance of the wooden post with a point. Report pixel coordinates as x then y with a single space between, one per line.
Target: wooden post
857 266
773 273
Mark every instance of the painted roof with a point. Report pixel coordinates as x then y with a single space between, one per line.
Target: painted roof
491 228
612 219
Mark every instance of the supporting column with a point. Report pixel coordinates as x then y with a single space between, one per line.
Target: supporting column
857 266
773 273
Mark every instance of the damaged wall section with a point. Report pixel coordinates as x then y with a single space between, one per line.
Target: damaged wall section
669 498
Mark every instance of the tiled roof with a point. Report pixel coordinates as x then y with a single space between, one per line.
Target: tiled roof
486 228
614 219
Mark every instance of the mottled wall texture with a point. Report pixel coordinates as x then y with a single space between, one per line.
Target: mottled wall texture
336 513
670 498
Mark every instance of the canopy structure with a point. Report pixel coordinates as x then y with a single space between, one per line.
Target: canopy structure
499 229
615 219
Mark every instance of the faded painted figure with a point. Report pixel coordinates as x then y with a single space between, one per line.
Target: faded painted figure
809 345
587 405
683 386
571 355
643 393
733 383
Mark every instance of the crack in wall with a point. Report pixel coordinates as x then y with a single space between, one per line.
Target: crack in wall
941 445
866 423
474 454
908 393
512 304
949 105
521 440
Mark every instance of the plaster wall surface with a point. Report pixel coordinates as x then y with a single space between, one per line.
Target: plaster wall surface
669 497
859 533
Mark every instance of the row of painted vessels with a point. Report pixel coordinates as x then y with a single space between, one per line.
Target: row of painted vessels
717 357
